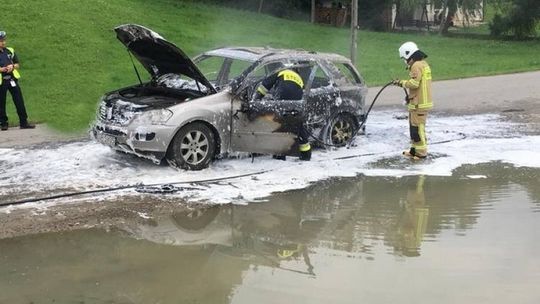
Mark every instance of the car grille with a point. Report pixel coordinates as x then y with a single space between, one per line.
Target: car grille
103 110
116 112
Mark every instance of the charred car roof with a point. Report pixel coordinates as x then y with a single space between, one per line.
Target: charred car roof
269 54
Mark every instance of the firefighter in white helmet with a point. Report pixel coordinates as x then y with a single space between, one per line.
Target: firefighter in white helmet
419 101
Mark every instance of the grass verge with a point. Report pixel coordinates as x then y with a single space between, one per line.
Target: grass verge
70 56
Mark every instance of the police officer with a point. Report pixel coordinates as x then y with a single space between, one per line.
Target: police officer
287 85
420 101
9 65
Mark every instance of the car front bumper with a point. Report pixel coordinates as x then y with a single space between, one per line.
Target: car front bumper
149 141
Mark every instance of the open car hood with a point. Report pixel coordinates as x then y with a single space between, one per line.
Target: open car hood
157 55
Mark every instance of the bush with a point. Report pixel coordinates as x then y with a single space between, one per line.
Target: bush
520 20
370 14
498 26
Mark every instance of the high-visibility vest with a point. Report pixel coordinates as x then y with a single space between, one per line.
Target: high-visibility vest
15 72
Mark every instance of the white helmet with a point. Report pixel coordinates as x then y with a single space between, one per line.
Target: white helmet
407 49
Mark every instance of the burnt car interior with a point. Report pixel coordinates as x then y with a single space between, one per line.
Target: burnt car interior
320 79
283 110
253 79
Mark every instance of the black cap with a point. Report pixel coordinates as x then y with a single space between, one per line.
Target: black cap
2 35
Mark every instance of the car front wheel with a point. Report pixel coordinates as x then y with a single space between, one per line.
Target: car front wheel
193 147
341 130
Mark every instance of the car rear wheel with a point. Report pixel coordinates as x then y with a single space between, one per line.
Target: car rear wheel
341 130
193 147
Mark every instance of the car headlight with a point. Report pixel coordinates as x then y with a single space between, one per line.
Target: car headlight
155 117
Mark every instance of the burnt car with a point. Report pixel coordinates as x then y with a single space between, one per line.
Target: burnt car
191 112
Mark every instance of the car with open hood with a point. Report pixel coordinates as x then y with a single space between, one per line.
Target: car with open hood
191 112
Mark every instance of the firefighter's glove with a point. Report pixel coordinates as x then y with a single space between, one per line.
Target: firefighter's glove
405 102
396 82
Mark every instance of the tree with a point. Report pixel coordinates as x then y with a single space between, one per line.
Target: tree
520 19
370 13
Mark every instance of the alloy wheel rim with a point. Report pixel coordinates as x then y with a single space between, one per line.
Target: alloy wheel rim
194 147
341 132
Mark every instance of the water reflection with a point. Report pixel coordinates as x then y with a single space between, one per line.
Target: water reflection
344 218
412 222
352 216
349 238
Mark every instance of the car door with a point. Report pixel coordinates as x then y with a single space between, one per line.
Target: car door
265 126
321 94
351 88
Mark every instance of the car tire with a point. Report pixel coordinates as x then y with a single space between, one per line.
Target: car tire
192 148
341 130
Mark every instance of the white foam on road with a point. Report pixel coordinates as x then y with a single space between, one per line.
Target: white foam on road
89 165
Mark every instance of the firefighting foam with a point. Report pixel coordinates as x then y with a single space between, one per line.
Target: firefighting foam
455 141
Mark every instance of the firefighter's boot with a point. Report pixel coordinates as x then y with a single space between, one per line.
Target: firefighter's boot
305 151
412 154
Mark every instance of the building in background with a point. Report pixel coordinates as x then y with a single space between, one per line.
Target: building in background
334 13
430 14
393 16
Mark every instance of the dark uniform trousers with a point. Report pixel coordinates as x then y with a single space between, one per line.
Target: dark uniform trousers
17 97
303 135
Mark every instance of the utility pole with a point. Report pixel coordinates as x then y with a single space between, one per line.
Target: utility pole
354 30
312 11
261 2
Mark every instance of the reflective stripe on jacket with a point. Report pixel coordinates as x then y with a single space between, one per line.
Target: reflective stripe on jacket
15 72
419 86
286 85
289 75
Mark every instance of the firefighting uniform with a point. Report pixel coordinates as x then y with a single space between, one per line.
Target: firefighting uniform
419 104
286 85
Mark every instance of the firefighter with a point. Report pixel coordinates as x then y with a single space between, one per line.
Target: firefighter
419 100
287 84
413 220
9 65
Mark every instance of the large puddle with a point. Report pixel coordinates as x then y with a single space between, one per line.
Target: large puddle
472 237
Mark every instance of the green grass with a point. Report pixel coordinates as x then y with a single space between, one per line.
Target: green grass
70 56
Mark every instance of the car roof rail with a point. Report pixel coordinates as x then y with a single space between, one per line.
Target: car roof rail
244 50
